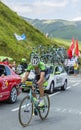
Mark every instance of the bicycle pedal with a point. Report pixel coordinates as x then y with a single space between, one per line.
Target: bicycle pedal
26 110
35 112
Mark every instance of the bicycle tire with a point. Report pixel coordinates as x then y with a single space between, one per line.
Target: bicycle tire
42 113
26 107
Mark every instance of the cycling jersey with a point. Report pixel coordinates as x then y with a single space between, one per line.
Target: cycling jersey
41 67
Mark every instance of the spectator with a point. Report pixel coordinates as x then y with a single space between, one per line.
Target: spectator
14 66
6 61
76 68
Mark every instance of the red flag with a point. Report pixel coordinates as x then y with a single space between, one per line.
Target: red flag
77 49
69 53
72 46
71 49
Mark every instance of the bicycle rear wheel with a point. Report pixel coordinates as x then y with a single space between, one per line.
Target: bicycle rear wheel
44 111
25 111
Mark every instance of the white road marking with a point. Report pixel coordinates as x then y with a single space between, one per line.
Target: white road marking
68 87
16 109
58 109
54 94
75 84
66 110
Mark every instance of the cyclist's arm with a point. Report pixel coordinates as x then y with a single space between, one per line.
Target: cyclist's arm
42 73
27 73
25 77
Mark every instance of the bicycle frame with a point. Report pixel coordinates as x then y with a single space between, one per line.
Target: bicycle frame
35 104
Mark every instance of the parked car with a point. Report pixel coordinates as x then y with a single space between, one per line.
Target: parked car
9 84
57 78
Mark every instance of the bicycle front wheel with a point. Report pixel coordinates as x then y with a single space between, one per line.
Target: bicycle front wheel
25 111
44 111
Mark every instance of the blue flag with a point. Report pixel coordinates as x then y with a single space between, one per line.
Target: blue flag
18 37
23 36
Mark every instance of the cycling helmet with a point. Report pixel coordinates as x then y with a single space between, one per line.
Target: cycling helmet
23 60
35 60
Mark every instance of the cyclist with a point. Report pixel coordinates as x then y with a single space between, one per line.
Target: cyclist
39 68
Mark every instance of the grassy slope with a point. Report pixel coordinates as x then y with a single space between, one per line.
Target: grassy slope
11 23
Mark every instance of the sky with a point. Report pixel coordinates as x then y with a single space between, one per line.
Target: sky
46 9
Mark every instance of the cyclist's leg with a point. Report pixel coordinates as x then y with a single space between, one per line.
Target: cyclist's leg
41 89
34 94
44 110
40 80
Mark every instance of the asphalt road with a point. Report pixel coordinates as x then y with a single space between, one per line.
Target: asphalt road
65 110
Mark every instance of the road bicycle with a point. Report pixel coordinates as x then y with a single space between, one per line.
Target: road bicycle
29 106
50 54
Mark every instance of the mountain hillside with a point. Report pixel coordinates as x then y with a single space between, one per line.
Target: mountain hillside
58 28
11 23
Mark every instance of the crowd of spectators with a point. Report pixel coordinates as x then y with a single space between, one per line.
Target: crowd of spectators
20 68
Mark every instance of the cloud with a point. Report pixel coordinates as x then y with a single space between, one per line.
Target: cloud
36 8
77 19
75 1
50 3
46 9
